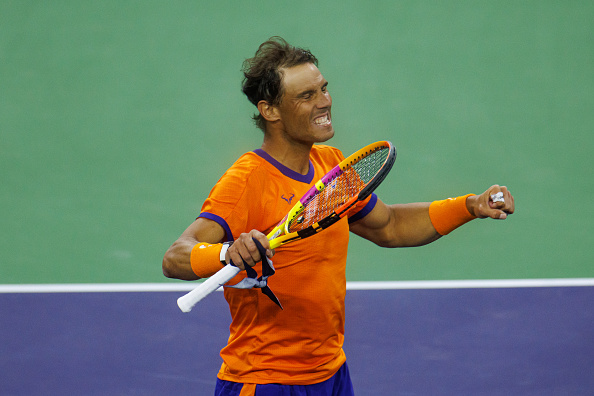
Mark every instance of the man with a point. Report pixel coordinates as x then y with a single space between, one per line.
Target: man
297 350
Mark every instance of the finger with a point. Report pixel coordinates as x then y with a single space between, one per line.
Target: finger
496 214
240 254
495 203
234 258
496 197
502 200
270 253
253 254
261 249
261 238
493 213
237 263
510 203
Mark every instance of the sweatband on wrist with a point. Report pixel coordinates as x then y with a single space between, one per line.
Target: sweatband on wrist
448 214
206 260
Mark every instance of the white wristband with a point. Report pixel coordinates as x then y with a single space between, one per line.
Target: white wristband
224 251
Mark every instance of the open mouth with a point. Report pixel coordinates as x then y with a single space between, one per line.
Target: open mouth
323 120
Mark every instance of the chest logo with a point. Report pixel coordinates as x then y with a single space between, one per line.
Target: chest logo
289 199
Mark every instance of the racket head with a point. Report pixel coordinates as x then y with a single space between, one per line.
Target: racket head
326 202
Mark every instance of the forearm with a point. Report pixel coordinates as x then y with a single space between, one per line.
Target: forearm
176 261
417 224
411 225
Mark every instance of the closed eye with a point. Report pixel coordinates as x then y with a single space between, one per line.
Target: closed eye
307 94
311 93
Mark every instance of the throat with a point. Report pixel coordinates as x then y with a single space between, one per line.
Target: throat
298 165
296 160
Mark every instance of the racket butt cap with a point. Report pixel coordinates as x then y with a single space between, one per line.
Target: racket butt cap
183 305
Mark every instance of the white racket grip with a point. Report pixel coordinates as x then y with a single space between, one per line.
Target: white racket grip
187 301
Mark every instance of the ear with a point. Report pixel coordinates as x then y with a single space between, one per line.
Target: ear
268 111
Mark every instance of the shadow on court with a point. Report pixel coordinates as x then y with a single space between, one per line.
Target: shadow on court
522 341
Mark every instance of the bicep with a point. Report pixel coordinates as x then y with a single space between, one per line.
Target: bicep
400 225
204 230
374 225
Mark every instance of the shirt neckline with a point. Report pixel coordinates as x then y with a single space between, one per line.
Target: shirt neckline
307 178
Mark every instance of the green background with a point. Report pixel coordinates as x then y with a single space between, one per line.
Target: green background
117 117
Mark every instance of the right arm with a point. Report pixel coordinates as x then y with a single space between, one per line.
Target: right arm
176 262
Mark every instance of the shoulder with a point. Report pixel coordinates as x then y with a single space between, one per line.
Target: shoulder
245 165
324 153
248 161
237 177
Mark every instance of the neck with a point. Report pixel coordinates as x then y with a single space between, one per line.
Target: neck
293 156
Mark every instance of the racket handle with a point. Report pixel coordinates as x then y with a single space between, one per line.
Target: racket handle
187 301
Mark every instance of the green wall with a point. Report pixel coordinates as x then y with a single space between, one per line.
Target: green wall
117 117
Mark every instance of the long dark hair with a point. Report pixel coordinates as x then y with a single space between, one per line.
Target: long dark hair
263 73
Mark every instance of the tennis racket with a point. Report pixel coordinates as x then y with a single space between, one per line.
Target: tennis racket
326 202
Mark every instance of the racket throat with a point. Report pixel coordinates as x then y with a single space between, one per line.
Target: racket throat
315 228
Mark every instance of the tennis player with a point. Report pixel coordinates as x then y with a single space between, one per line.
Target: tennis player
297 350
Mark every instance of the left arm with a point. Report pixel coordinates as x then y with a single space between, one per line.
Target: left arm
407 225
400 225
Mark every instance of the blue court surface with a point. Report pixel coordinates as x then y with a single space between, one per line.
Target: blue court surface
469 341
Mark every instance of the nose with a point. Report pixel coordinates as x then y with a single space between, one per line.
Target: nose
325 100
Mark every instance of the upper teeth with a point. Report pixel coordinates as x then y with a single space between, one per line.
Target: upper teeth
322 120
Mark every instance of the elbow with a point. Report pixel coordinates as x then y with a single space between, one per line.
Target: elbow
169 265
166 267
176 268
386 239
388 243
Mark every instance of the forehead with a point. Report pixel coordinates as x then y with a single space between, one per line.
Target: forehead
301 78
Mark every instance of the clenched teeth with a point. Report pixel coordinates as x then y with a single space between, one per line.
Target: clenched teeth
322 120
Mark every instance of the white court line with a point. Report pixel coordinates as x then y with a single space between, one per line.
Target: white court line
361 285
470 284
96 287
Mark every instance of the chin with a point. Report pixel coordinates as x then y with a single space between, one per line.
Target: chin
326 135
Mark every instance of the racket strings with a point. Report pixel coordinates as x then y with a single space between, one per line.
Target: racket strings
347 185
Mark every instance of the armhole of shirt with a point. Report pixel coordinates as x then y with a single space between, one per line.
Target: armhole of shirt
220 221
365 210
